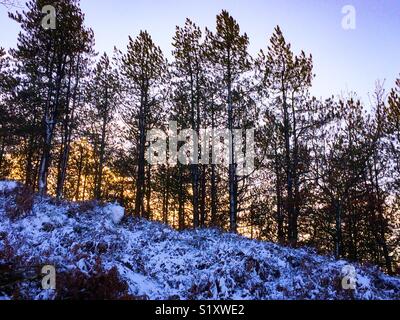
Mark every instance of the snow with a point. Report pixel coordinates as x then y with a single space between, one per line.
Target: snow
161 263
115 211
7 185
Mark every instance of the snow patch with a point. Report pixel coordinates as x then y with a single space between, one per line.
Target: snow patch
8 185
115 211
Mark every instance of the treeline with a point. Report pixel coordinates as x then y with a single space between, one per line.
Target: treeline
73 125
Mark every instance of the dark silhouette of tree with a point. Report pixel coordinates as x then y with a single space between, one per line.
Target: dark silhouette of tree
287 79
50 58
189 72
227 51
103 96
144 67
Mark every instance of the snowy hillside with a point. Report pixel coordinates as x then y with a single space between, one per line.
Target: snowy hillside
99 256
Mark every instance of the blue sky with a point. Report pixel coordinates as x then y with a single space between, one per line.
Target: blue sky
344 60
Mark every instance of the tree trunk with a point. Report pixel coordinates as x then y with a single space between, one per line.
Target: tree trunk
213 177
80 167
50 121
99 180
165 197
338 230
181 207
279 213
139 201
148 192
232 164
68 127
288 169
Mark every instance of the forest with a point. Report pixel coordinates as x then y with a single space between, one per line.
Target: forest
73 125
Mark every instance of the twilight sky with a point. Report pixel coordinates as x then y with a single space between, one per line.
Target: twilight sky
344 60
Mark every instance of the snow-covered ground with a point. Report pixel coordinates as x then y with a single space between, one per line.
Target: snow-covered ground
157 262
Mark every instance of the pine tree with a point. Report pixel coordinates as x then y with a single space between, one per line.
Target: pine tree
8 116
144 68
392 127
378 169
287 79
227 51
48 57
103 97
189 71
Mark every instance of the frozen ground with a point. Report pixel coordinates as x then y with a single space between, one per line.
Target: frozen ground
157 262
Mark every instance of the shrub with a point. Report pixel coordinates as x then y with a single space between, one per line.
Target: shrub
13 270
22 203
48 227
83 207
97 285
